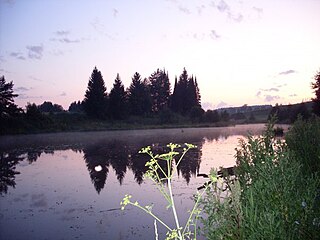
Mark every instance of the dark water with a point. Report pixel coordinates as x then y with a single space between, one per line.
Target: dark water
50 188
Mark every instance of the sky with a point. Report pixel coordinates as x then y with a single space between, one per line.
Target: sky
242 52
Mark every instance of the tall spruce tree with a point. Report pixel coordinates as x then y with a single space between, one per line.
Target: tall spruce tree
117 100
95 101
186 94
159 90
139 100
316 100
7 106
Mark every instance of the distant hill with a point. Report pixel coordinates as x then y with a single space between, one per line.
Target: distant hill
260 113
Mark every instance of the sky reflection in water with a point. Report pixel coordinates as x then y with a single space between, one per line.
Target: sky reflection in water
51 189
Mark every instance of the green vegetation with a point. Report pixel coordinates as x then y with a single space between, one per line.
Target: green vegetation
275 193
162 168
147 103
316 87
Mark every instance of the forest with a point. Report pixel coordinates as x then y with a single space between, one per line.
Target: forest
146 103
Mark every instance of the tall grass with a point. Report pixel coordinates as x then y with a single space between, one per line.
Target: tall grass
271 196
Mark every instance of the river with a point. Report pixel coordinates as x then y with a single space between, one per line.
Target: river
51 189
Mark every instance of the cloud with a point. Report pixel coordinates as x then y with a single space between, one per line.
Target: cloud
115 12
281 85
287 72
63 37
99 27
25 96
17 55
184 10
35 79
200 9
21 89
207 105
35 52
214 35
293 95
65 40
258 10
225 8
222 6
62 33
270 89
221 104
63 94
258 94
270 98
4 71
238 17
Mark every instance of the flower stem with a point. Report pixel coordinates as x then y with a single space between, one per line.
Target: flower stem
174 209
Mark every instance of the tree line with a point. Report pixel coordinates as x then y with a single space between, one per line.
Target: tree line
149 101
143 97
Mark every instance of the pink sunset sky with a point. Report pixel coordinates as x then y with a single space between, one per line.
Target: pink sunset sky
242 52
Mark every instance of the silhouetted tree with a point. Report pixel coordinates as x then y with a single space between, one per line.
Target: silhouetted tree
211 116
196 114
32 112
225 116
76 107
186 94
95 101
159 90
139 99
48 107
7 106
117 100
316 100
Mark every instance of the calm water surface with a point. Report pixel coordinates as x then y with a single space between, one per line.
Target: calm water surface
50 189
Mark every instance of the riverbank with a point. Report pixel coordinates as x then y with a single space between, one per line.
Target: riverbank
81 123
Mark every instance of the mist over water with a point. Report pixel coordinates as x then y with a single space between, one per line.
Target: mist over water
69 185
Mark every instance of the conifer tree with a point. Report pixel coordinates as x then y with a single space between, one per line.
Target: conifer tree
95 101
7 106
186 94
117 100
159 90
316 100
139 100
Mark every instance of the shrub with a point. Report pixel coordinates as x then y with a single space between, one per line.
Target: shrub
270 197
303 140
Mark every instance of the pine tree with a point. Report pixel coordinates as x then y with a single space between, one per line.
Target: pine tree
117 100
138 96
159 90
197 92
186 94
95 101
7 106
316 100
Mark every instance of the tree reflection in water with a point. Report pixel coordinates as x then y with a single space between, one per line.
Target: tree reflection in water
122 156
8 162
99 157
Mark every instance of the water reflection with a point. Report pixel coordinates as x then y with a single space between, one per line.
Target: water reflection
8 162
121 156
111 150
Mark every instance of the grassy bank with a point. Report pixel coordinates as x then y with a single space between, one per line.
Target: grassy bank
79 122
275 193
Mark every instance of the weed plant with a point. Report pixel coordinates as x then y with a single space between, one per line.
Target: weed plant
271 196
162 175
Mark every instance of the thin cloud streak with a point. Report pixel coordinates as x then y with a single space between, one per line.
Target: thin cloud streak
35 51
287 72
